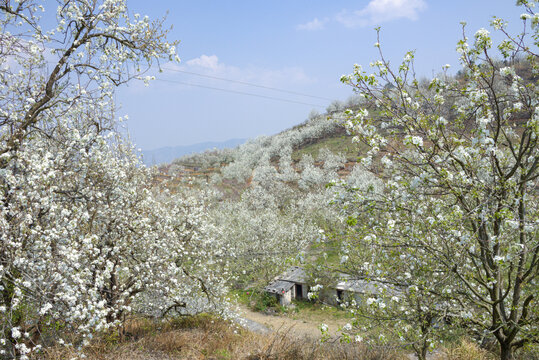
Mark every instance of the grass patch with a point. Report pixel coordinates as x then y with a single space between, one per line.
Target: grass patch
465 350
337 143
259 300
144 338
316 311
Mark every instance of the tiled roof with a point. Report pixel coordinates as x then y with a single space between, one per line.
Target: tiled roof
279 287
294 274
297 275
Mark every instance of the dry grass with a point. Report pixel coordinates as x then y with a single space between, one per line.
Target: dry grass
209 338
468 350
205 337
465 350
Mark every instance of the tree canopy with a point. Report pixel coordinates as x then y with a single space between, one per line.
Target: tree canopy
454 230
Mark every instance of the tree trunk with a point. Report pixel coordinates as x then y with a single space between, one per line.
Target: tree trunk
506 352
424 352
421 351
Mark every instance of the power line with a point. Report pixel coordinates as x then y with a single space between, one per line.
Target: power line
239 92
247 83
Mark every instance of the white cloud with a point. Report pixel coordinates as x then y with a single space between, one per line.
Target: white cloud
211 66
204 61
315 24
379 11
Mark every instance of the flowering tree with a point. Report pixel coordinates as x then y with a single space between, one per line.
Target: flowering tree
262 231
95 46
84 237
85 241
454 231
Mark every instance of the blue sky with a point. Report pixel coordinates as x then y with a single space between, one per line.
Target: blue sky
300 46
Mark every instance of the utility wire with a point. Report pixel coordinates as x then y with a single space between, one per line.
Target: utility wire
239 92
246 83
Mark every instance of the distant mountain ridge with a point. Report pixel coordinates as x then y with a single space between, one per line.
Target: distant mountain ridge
169 153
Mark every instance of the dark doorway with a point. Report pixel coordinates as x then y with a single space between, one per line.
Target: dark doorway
299 291
339 295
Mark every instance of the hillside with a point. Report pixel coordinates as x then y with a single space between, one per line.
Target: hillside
169 153
337 142
313 138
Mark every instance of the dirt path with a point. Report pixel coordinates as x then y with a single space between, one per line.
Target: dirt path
295 327
264 323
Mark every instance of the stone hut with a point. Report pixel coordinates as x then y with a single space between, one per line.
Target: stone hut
290 285
348 289
293 285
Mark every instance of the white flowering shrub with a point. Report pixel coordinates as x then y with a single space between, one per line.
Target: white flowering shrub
311 176
455 227
85 239
287 172
361 178
213 158
262 232
247 156
265 174
335 106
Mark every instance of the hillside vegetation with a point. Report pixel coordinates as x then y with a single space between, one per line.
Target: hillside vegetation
412 208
